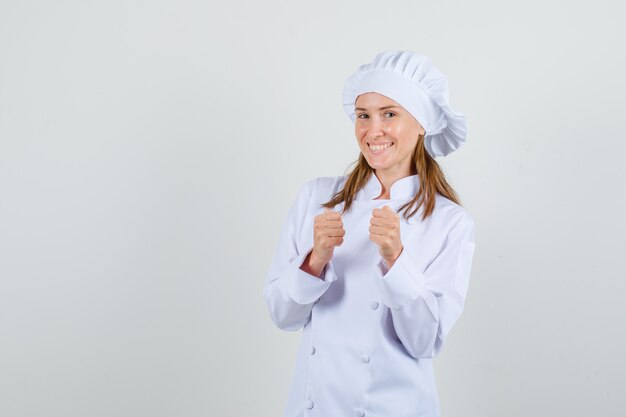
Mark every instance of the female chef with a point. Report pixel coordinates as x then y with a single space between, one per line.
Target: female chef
374 266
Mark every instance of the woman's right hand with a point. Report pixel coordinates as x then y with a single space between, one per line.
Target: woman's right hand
328 232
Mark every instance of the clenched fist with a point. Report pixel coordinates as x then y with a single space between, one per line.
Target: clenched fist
385 232
328 232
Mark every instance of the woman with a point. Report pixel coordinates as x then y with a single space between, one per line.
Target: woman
374 266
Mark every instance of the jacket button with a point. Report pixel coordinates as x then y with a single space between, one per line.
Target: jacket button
308 404
374 305
360 413
365 358
312 350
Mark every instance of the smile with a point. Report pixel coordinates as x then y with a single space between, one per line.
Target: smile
378 149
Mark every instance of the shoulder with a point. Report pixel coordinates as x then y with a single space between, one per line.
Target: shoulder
323 188
318 190
452 214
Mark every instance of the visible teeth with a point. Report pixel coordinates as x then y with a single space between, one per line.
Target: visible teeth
379 147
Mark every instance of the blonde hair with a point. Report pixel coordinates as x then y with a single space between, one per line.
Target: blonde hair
431 177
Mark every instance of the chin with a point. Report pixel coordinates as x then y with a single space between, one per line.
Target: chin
376 165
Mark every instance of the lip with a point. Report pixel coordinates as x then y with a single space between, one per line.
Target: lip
379 152
378 143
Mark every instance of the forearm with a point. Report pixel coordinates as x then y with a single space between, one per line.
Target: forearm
290 292
312 266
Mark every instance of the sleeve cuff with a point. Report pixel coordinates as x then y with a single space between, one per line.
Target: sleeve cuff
401 283
303 287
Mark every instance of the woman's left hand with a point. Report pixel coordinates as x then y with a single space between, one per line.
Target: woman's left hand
385 232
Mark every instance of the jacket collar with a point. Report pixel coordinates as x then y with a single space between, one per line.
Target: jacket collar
403 188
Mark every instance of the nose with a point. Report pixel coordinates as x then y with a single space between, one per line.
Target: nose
375 129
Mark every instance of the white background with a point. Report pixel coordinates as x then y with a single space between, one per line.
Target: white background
150 150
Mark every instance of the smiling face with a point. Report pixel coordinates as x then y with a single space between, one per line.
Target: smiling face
387 134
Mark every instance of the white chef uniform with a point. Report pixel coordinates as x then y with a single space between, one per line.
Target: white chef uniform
369 332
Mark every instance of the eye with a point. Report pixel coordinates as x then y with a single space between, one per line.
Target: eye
362 114
391 113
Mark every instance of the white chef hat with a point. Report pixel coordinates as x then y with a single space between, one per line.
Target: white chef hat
412 81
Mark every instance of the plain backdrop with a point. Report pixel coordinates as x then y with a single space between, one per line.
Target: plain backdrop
150 151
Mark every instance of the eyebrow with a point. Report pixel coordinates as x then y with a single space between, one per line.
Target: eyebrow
382 108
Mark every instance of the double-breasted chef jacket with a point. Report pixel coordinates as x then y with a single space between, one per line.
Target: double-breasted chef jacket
369 331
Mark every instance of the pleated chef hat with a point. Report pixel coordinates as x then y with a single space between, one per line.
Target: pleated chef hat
412 81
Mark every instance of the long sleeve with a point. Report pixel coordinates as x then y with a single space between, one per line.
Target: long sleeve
289 291
425 304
